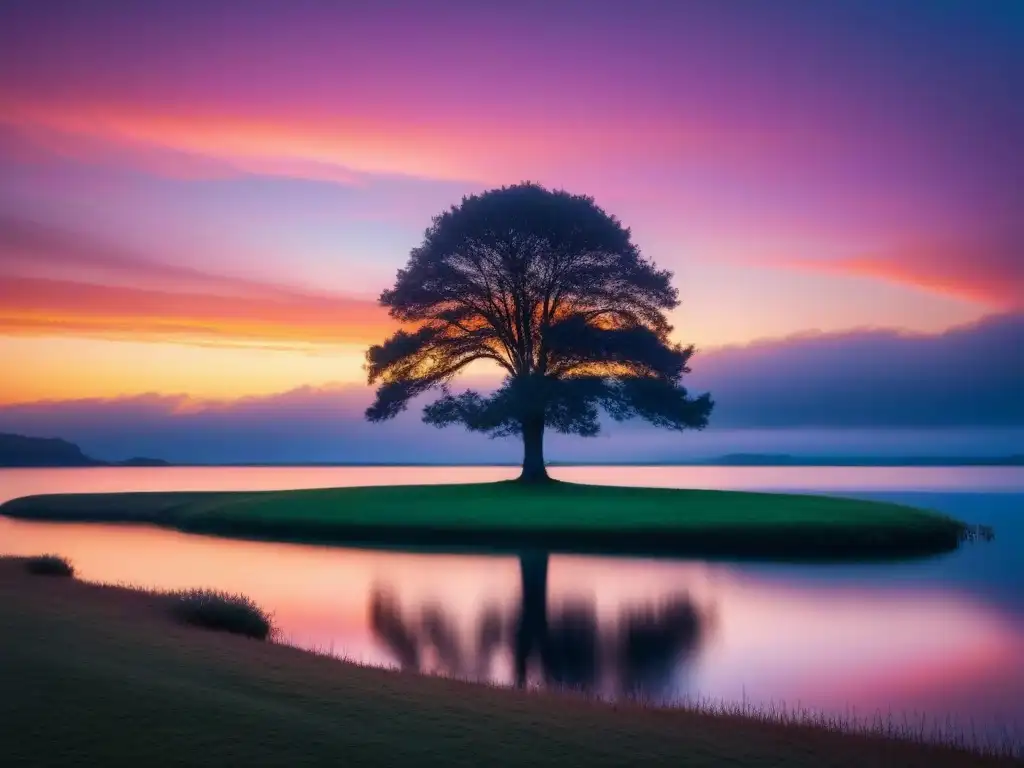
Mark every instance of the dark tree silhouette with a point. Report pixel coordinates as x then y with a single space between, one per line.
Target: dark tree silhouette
551 289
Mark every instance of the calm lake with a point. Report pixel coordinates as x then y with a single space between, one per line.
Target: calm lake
942 637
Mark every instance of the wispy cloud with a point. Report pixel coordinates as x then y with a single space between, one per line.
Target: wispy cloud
990 271
347 148
91 145
55 282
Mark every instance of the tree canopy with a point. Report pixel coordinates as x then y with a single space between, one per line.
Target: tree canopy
551 289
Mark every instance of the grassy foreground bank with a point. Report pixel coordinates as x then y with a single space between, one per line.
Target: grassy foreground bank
98 676
555 516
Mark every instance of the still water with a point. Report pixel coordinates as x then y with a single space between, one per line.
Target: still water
942 637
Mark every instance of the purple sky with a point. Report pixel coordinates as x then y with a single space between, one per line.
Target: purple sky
200 201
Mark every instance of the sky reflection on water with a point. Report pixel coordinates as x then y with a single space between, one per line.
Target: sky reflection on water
944 636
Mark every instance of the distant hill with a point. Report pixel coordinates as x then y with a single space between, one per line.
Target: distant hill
22 451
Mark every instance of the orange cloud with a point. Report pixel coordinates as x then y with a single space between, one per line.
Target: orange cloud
35 306
56 283
990 273
172 159
30 249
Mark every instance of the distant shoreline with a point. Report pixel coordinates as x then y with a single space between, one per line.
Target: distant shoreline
937 463
24 452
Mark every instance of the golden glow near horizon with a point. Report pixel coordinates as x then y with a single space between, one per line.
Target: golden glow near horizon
70 368
77 361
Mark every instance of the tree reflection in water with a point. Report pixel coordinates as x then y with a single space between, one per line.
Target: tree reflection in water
567 647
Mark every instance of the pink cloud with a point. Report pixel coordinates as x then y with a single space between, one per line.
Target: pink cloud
152 154
55 282
343 146
990 272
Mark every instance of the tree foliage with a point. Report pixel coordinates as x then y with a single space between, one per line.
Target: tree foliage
552 290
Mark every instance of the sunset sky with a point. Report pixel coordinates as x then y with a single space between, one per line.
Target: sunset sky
201 201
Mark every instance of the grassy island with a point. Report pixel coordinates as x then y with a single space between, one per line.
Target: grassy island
554 516
100 675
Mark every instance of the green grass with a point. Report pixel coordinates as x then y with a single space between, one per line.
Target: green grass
559 516
100 676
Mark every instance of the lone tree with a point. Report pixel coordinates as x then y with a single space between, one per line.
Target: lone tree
551 289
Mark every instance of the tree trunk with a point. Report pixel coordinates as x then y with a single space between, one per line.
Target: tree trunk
534 470
532 627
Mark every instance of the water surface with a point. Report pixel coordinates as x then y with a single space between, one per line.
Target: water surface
943 636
